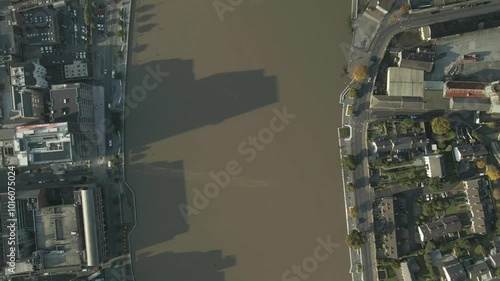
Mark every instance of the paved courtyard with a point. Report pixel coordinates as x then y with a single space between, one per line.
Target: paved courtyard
487 67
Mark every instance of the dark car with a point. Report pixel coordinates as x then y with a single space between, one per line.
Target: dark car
434 12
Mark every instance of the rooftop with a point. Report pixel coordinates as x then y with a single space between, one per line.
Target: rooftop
43 143
470 104
57 232
453 270
414 60
463 89
472 191
405 82
479 271
395 102
439 228
434 165
41 26
391 241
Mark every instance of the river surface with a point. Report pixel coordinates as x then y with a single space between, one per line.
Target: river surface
228 185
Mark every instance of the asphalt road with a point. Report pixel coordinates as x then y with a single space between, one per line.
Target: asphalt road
105 49
364 196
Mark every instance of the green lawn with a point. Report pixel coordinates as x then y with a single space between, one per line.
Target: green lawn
344 133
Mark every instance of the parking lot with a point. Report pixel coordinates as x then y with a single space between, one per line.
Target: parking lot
485 68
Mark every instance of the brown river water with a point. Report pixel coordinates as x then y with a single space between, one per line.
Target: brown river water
233 150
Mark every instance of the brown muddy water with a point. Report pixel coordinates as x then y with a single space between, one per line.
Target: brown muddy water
262 187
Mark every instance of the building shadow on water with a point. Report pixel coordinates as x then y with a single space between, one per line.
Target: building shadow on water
189 266
143 8
162 191
145 28
179 102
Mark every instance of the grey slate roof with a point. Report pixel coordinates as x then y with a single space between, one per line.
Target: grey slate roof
439 228
396 102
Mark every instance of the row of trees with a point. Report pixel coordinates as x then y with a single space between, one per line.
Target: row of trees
88 13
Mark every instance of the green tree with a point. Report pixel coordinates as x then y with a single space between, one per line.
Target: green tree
496 193
481 163
430 247
490 124
450 135
116 121
118 76
475 134
440 125
480 250
119 53
435 184
94 4
121 33
497 272
355 239
350 187
408 123
394 18
405 9
360 72
86 18
353 93
377 163
492 172
353 212
349 162
462 246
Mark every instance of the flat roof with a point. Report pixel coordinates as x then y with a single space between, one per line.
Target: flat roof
64 105
405 82
434 165
54 232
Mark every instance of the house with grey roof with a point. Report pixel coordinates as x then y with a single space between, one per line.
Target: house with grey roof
392 248
402 144
382 146
384 102
470 152
479 272
416 60
452 269
494 260
439 228
476 208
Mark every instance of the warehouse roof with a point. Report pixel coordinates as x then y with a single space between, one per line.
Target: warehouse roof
405 82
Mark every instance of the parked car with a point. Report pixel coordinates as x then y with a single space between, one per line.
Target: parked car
110 143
